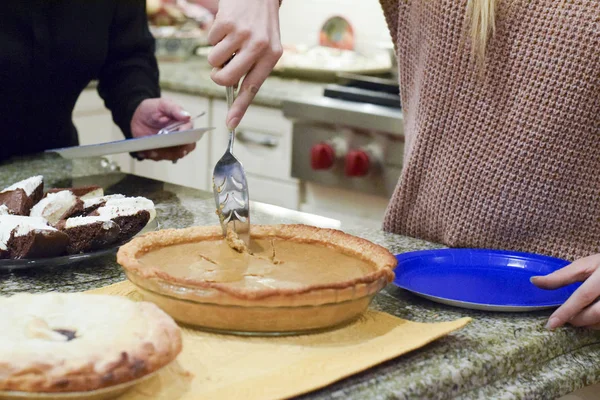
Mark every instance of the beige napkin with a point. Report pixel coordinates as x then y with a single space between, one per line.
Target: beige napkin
214 366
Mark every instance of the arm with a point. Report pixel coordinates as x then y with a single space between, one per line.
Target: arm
250 29
129 81
130 72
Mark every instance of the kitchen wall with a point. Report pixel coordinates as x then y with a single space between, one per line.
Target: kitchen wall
301 21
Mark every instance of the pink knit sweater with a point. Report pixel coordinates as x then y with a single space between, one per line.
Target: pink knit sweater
510 159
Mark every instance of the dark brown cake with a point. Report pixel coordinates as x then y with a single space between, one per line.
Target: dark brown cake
132 214
129 225
23 195
89 233
30 237
38 244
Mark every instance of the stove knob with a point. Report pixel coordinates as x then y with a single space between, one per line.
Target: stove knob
322 156
357 163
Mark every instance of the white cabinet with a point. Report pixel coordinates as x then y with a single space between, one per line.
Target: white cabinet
264 147
94 125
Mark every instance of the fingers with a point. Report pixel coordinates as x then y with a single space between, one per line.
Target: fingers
590 316
253 53
585 295
221 27
248 90
169 153
577 271
223 51
169 109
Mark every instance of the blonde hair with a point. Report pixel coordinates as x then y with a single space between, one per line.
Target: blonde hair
481 14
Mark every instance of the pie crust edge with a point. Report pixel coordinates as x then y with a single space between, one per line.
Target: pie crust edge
150 355
377 256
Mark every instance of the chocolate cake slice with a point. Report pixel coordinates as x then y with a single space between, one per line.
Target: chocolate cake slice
83 192
57 206
132 214
30 237
89 233
22 196
90 205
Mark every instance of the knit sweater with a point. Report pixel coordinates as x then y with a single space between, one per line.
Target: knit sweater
507 158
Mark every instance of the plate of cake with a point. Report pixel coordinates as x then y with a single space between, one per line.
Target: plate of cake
66 225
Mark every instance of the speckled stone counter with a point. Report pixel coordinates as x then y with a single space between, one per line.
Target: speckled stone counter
497 356
193 77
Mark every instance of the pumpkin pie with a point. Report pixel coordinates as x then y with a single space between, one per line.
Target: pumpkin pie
291 277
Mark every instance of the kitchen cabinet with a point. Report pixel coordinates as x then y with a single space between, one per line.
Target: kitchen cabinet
94 125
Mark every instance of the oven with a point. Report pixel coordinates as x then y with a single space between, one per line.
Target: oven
348 148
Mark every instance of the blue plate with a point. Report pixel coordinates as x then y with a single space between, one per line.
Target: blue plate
491 280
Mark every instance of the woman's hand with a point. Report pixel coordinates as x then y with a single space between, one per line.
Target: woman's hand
250 30
153 115
581 309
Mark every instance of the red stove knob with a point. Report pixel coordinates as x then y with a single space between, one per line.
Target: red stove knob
322 156
357 163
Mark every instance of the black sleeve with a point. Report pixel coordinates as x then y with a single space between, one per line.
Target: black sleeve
130 72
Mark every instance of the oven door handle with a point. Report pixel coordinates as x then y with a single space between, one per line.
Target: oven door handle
264 141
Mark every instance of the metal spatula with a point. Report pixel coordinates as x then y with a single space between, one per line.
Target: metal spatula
231 188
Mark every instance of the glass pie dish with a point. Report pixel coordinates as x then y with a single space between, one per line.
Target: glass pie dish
294 278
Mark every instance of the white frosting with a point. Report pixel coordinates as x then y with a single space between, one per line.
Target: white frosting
28 185
127 206
90 202
81 221
93 194
21 226
54 206
4 210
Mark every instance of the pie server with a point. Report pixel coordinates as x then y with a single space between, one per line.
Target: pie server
230 188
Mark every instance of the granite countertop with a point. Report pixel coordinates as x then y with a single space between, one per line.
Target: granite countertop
193 77
507 355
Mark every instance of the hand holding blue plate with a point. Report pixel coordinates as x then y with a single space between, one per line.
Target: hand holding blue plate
491 280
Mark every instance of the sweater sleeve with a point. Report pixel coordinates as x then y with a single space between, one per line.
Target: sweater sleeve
130 72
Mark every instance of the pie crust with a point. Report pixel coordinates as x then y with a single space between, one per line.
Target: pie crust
352 270
75 342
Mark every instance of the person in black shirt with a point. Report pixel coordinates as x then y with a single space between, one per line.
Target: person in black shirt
51 50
